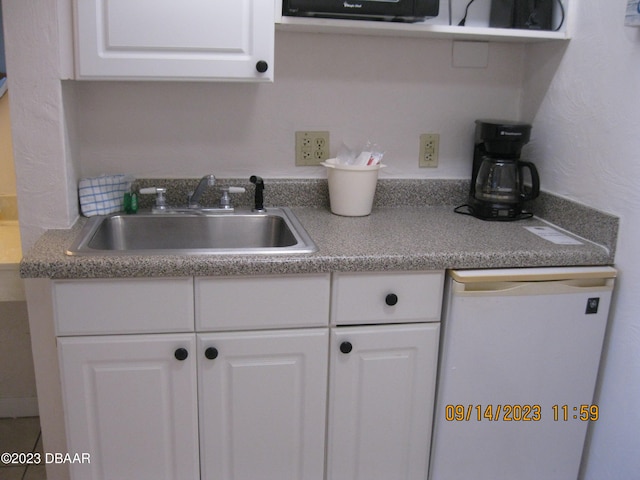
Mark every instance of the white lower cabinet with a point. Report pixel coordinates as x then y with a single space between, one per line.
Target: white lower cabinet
131 404
382 389
262 404
241 391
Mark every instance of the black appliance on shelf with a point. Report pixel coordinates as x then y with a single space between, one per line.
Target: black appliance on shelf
392 10
524 14
498 190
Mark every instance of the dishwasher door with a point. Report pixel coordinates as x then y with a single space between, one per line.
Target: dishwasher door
520 351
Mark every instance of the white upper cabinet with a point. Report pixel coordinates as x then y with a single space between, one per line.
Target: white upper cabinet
169 39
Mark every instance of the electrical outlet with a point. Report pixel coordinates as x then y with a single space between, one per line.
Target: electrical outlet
429 143
311 148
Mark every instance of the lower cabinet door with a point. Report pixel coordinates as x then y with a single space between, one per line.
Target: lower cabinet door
262 399
130 405
381 397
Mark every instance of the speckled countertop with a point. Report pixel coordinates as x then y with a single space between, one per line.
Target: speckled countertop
406 237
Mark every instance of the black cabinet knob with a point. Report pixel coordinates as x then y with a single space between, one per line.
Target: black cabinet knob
346 347
181 354
211 353
391 299
262 66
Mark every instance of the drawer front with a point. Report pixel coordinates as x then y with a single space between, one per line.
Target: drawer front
276 301
116 306
378 298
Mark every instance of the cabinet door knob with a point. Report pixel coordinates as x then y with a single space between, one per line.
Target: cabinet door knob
346 347
391 299
181 354
211 353
262 66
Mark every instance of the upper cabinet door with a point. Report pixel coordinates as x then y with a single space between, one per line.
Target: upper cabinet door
174 39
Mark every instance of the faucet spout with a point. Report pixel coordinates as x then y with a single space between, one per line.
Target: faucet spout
206 181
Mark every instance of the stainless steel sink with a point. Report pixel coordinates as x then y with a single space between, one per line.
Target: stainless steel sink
192 233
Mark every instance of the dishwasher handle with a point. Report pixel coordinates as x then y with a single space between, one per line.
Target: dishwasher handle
532 288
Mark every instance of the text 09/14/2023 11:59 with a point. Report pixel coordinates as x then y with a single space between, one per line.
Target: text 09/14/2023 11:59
519 413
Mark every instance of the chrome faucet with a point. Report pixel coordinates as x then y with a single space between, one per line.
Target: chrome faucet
194 198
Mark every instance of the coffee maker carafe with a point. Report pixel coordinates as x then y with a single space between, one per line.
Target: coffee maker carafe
498 191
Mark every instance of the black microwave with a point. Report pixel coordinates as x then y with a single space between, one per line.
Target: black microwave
391 10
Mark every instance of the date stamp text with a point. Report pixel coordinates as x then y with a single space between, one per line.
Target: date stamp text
519 413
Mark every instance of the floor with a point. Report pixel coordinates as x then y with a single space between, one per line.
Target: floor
21 436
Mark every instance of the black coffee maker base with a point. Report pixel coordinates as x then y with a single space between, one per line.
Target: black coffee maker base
495 213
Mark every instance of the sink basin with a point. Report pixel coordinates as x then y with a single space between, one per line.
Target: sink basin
239 233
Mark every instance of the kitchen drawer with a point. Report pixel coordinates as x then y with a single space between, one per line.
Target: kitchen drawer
113 306
378 298
256 302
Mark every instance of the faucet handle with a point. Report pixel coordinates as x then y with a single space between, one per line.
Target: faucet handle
225 200
161 203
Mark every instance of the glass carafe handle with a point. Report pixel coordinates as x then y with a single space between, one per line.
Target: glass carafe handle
535 181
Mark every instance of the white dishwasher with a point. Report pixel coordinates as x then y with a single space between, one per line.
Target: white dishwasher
520 351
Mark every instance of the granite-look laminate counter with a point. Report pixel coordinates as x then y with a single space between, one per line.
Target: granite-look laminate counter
391 238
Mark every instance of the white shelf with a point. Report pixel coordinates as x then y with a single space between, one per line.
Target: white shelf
420 29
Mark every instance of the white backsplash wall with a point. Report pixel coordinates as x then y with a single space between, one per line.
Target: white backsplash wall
389 90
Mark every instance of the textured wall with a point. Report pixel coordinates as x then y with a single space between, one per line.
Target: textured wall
46 177
587 119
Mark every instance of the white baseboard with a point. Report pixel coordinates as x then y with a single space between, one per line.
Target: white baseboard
18 407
